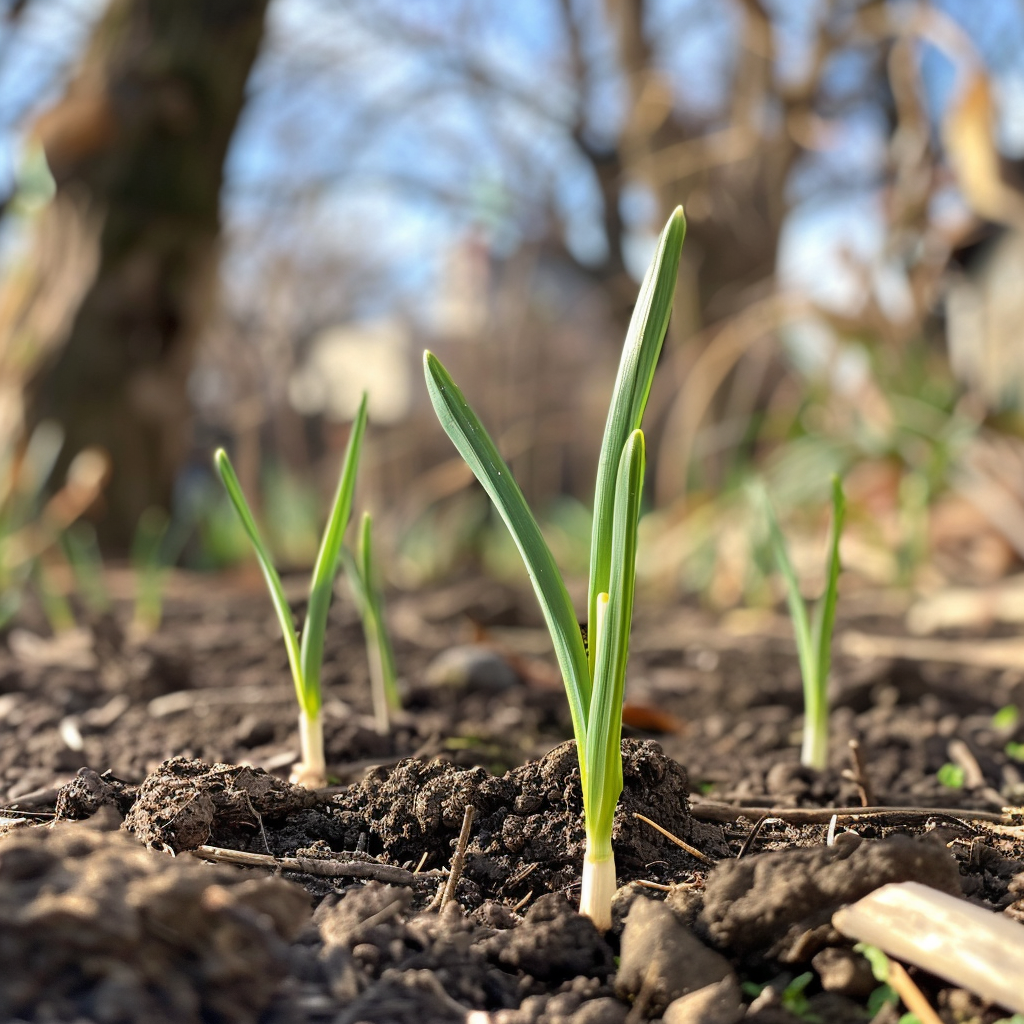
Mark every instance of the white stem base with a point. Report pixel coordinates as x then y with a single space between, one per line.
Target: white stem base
599 887
381 711
814 751
311 771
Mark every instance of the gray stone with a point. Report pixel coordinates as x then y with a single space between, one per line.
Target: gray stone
720 1003
843 971
604 1010
471 666
661 960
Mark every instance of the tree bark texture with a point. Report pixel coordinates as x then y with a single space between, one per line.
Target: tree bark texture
137 147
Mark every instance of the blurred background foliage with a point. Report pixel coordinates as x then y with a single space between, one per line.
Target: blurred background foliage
221 222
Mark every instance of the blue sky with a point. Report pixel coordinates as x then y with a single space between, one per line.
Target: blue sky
370 144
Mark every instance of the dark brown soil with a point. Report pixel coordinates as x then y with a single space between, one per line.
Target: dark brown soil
156 757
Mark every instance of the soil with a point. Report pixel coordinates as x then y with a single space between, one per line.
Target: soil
157 866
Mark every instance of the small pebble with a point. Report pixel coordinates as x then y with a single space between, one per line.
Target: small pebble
720 1003
471 666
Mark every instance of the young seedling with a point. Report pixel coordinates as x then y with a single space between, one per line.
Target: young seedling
31 525
305 654
595 679
150 570
82 550
361 571
813 630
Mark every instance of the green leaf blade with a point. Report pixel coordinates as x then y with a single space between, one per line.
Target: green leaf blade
794 599
476 447
375 609
640 353
604 735
227 475
322 584
825 613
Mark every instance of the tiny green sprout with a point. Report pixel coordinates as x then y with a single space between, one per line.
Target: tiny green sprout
1006 717
795 999
876 958
150 570
82 550
361 571
952 776
813 630
594 675
54 601
885 994
1014 751
305 653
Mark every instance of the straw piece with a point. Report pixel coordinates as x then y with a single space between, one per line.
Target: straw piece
975 948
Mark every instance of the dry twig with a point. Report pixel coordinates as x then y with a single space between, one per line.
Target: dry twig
691 850
326 868
913 998
858 775
459 860
708 810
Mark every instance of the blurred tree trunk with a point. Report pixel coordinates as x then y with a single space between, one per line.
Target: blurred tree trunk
108 307
733 176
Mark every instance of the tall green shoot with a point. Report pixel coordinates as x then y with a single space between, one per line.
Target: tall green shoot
594 680
361 571
813 630
305 650
82 550
150 568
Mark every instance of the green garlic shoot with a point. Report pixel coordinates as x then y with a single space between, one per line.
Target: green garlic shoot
305 652
82 550
813 631
594 680
361 571
150 570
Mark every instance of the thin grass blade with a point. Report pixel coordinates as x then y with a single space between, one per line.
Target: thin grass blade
824 619
475 446
604 735
794 599
83 552
355 581
632 386
322 585
227 475
375 603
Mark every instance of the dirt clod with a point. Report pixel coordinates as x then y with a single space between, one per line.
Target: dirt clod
88 791
553 944
774 900
843 971
720 1003
179 806
661 960
94 926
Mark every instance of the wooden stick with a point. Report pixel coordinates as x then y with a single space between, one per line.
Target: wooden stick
692 851
312 865
967 945
459 860
913 998
859 774
708 810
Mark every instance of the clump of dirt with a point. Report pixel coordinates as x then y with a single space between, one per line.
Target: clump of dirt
178 807
528 827
385 963
94 926
781 903
527 836
88 791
